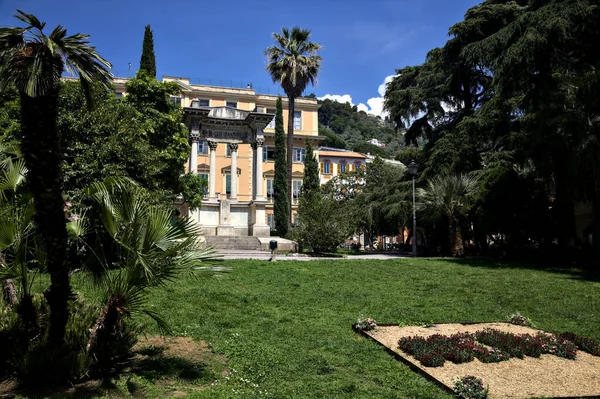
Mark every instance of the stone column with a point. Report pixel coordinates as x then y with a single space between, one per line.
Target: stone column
194 137
212 177
258 178
233 147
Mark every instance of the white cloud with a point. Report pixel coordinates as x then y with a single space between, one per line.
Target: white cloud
344 98
374 105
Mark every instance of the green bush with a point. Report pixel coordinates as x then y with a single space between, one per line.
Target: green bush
322 224
31 360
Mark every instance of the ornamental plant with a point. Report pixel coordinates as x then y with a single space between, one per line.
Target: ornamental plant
434 350
520 320
470 387
367 324
585 344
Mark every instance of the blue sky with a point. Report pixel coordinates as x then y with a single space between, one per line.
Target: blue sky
221 42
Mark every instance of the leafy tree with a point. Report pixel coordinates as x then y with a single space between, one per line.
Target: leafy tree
34 63
293 63
137 137
450 196
323 224
331 139
148 61
311 182
368 148
281 207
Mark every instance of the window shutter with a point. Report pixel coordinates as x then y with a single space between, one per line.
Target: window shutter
322 168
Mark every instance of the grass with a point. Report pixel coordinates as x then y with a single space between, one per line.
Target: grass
285 327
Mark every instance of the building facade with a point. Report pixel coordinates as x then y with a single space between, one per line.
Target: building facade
334 162
233 129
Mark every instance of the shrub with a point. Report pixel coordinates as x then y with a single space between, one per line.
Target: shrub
470 387
322 223
520 320
366 324
585 344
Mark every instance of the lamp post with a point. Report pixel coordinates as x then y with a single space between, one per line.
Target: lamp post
412 170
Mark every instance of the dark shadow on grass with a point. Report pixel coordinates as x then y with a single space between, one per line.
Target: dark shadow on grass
587 274
154 368
151 364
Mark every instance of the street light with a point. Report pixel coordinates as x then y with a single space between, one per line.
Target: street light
412 170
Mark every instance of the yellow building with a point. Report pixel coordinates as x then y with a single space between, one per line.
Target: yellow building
233 129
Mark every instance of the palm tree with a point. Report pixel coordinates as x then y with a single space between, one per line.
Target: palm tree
34 64
148 248
450 196
293 63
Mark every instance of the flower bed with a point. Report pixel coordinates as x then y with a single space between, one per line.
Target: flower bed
585 344
464 347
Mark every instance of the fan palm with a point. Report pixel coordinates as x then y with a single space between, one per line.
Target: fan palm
450 196
34 62
149 249
293 63
17 239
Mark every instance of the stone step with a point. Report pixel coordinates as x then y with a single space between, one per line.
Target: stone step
233 242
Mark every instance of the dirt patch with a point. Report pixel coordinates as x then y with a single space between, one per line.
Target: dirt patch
548 376
183 347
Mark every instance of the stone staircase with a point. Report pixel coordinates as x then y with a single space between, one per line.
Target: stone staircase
233 242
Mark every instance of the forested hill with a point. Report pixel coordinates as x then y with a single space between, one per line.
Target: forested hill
346 127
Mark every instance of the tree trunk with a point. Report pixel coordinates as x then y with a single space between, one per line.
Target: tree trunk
596 229
456 242
290 152
105 324
8 292
41 148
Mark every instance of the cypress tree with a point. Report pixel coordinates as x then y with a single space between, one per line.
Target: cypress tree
281 206
311 182
148 61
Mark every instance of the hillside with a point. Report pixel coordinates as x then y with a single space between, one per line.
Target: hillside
346 127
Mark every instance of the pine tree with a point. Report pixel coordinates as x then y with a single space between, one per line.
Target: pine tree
281 205
311 182
148 61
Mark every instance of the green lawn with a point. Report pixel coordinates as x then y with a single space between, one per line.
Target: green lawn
285 327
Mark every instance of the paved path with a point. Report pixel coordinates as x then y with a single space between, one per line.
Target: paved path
264 255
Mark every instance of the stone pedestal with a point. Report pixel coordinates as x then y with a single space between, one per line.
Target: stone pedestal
257 226
225 228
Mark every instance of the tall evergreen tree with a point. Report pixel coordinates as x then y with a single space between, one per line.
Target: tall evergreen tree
281 207
148 61
311 181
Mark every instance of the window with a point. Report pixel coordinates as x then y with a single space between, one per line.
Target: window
296 187
299 154
231 104
342 166
271 124
270 189
176 100
271 221
357 165
204 103
326 168
228 184
202 147
297 120
119 94
204 176
268 153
